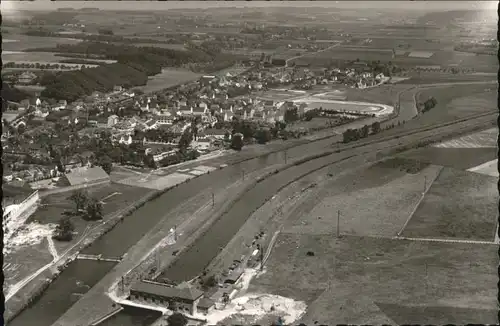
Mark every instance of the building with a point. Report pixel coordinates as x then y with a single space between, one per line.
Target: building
112 120
205 306
183 297
234 276
85 175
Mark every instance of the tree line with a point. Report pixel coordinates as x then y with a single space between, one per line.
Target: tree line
355 134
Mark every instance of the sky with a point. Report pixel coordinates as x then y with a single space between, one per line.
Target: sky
433 5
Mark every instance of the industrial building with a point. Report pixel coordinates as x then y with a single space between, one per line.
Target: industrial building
183 297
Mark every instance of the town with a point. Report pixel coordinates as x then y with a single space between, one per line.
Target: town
165 127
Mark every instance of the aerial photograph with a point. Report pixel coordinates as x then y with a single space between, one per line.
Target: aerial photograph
267 163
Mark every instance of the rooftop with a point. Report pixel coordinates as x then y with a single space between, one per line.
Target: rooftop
86 174
185 293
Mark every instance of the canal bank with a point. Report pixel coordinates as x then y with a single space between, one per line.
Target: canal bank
73 282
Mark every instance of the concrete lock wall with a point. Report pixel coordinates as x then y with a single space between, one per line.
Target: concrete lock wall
23 207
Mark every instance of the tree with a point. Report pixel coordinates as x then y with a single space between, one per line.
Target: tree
291 115
309 115
105 163
64 230
263 136
365 131
376 127
350 135
80 198
209 282
185 141
237 141
149 161
93 210
177 319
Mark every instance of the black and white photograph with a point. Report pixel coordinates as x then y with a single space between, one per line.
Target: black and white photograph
271 163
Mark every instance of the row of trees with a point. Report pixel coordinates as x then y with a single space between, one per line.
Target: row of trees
356 134
37 65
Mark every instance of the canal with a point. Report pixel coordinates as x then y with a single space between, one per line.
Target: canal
72 283
132 316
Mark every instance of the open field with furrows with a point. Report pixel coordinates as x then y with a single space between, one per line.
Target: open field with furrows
386 42
24 261
372 200
168 78
484 139
459 205
341 53
114 197
439 77
356 280
18 42
481 63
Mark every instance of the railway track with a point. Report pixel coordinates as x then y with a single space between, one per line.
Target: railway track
403 133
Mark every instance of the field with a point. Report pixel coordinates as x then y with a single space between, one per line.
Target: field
489 168
375 200
346 53
356 279
180 47
407 44
438 77
46 57
280 94
168 78
31 89
344 106
454 102
18 42
314 123
113 196
460 205
458 158
483 139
